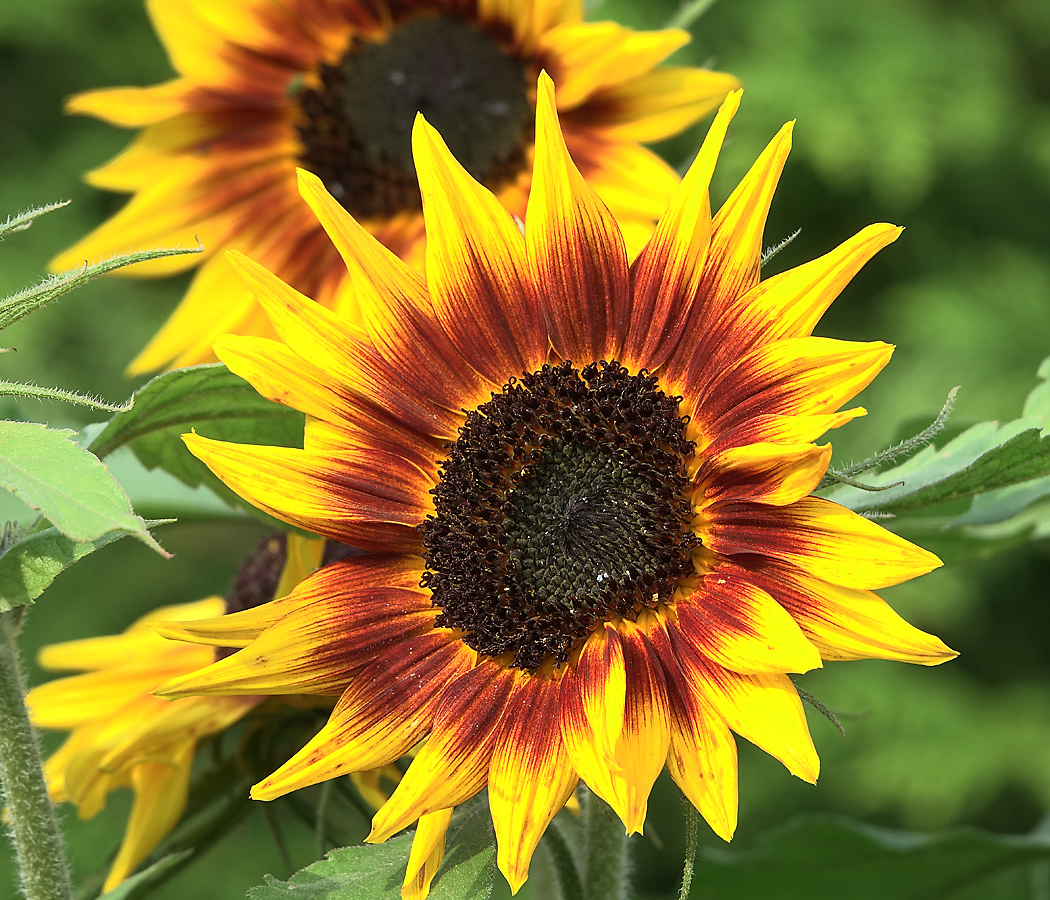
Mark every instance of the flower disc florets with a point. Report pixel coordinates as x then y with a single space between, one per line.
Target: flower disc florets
562 503
356 127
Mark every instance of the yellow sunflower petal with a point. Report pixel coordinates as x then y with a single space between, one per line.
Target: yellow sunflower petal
762 472
453 764
802 377
576 253
337 621
331 342
822 538
668 271
764 709
530 777
593 702
702 757
656 105
790 304
375 507
193 45
631 180
195 317
133 107
395 305
742 628
428 850
588 56
846 623
160 797
387 709
477 272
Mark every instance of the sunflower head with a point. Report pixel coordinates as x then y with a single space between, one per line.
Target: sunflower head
263 88
585 483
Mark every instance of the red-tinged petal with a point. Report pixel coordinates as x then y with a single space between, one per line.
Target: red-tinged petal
528 22
742 628
654 106
280 374
630 179
387 709
530 777
395 306
801 377
790 304
778 429
372 502
428 850
593 702
453 764
350 577
764 709
776 474
642 748
668 271
477 272
331 342
845 623
576 253
702 757
585 57
823 539
732 265
332 625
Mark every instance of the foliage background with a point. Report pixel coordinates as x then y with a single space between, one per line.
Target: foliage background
934 114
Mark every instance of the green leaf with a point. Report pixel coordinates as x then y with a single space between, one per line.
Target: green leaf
71 488
375 872
210 400
828 858
1003 468
140 883
28 566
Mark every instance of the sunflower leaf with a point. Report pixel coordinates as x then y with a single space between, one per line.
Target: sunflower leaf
31 563
375 872
825 857
1001 468
46 469
210 400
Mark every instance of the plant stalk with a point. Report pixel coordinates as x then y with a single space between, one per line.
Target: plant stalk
38 844
605 846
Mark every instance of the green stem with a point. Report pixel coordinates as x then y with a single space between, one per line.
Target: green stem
41 856
691 828
605 847
564 865
688 13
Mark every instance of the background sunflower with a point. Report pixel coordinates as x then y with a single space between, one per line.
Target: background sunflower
910 112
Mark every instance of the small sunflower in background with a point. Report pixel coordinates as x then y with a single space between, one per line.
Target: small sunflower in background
585 483
123 736
333 86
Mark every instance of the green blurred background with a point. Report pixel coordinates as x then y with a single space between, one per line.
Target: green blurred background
933 114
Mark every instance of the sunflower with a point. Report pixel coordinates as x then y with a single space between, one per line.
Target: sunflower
333 86
586 487
122 735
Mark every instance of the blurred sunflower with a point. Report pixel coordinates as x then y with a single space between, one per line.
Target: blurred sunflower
122 735
333 86
586 482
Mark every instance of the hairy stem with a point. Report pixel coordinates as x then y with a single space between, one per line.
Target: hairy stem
691 825
605 846
41 856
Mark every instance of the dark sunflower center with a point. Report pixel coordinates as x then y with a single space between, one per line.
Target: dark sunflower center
357 128
561 504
